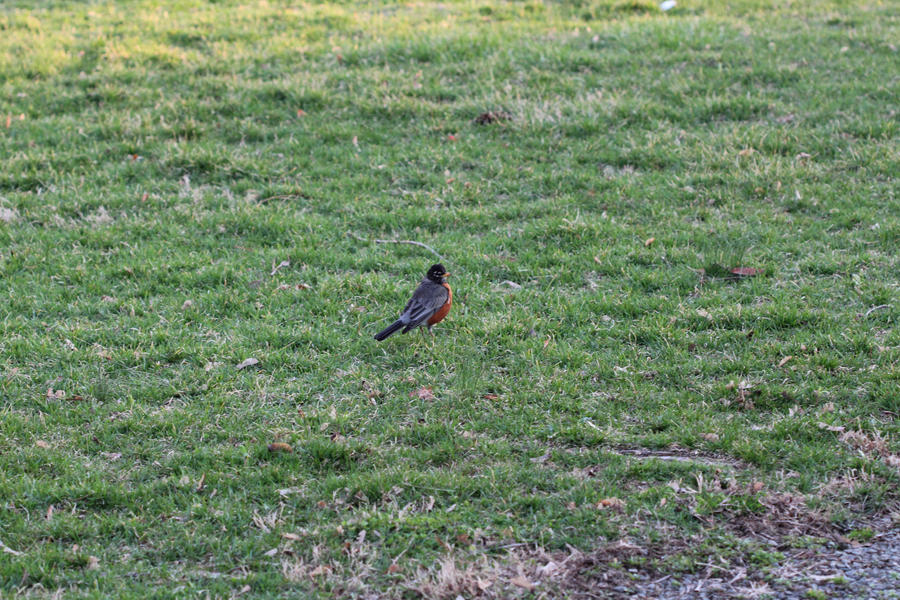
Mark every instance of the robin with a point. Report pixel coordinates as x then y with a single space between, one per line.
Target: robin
429 304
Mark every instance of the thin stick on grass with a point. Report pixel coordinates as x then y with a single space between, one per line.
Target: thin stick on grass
874 308
411 242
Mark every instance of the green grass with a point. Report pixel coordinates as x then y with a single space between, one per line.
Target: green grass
156 170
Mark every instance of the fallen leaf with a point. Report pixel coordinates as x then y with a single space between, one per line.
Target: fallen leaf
291 536
320 570
8 121
746 152
301 112
280 447
75 398
111 456
42 444
423 393
704 313
827 407
520 581
784 360
247 363
483 584
93 563
710 437
393 568
833 428
490 396
649 242
549 569
187 304
756 486
611 502
511 284
55 394
271 552
803 156
745 271
303 286
492 117
69 345
107 299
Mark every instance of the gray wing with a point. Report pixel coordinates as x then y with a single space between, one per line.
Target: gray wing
425 301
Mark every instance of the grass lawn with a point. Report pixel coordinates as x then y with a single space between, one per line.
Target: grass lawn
186 184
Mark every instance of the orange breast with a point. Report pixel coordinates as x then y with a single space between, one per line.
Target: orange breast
442 311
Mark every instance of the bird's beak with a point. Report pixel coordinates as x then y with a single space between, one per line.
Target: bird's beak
446 275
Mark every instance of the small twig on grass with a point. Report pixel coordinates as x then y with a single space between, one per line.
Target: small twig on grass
414 243
874 308
411 242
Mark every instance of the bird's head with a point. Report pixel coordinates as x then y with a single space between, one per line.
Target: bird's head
437 273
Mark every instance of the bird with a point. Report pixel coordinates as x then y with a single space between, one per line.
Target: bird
429 304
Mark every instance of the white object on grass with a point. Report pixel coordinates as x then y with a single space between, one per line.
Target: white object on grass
667 5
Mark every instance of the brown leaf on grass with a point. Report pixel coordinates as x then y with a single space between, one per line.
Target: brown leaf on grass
320 570
649 242
8 121
111 456
280 447
710 437
522 582
75 398
611 503
393 568
247 363
42 444
423 393
745 271
187 304
489 117
107 299
704 313
833 428
55 394
746 152
490 396
784 360
291 536
93 563
301 113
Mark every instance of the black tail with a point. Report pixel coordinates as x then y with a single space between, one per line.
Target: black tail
391 329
